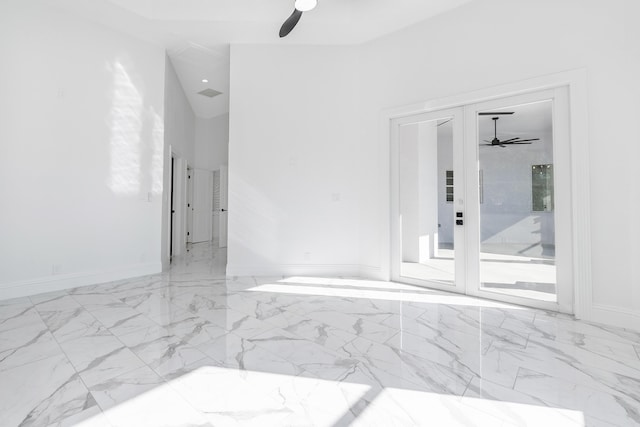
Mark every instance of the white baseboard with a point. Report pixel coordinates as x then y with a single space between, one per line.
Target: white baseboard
373 273
66 281
331 270
615 316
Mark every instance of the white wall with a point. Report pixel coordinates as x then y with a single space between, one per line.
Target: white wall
457 52
294 161
81 151
212 142
180 121
305 124
179 139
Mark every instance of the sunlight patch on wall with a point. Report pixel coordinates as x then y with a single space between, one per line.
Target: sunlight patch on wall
157 153
126 126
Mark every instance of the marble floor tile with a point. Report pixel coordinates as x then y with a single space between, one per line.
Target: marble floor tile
615 408
26 344
54 301
516 408
193 347
305 354
232 351
357 324
42 393
92 417
320 333
71 323
227 397
162 350
17 316
100 357
416 408
384 366
14 308
122 320
453 329
142 398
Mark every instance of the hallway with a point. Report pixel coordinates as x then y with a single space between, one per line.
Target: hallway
193 348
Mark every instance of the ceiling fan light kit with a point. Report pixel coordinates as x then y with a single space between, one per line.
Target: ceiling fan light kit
305 5
299 7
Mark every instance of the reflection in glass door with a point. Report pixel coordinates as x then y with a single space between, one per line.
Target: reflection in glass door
516 197
428 175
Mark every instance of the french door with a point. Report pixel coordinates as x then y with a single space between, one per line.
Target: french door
481 200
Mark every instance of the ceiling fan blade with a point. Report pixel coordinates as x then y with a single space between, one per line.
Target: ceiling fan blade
494 113
525 141
506 141
290 23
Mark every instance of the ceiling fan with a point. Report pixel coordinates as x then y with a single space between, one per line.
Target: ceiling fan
495 141
299 7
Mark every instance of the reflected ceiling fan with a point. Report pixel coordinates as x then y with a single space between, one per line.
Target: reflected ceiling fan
299 7
495 141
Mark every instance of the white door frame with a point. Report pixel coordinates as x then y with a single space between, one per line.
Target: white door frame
190 201
179 206
575 82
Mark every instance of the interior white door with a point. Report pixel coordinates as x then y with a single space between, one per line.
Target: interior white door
427 200
202 204
222 242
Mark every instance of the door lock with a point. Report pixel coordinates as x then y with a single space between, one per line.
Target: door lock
459 220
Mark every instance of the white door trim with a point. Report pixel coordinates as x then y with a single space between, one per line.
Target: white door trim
576 82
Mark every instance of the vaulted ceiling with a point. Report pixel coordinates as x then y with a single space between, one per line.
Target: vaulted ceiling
197 33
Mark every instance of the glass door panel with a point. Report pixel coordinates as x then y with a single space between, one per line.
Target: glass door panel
427 182
516 201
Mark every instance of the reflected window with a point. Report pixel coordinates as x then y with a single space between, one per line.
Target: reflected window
449 186
542 188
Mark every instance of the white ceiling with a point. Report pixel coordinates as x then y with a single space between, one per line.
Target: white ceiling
197 33
528 121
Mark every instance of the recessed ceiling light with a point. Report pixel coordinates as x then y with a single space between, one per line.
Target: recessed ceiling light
205 81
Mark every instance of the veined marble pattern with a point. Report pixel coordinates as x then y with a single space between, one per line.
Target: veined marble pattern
191 347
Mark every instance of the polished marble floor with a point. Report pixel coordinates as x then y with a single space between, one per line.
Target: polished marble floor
193 348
